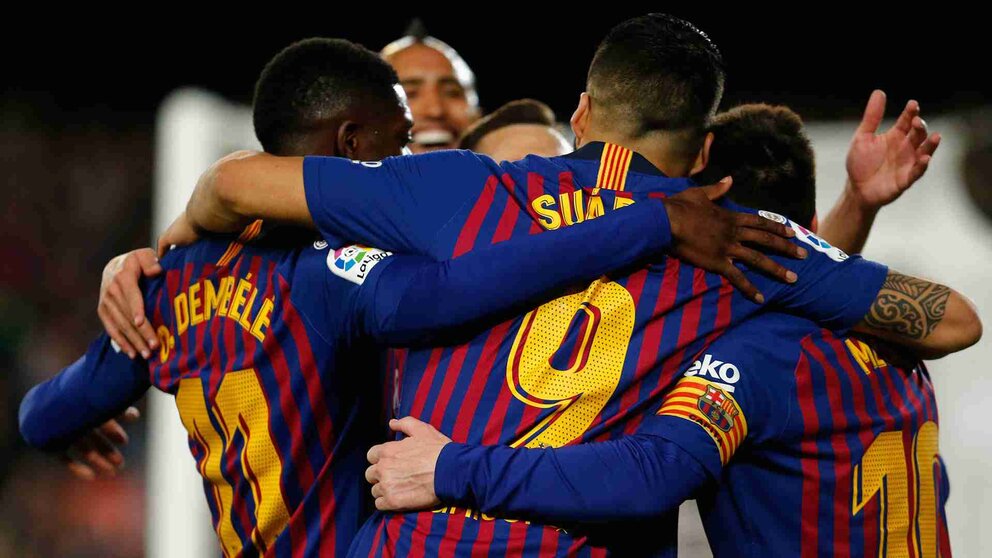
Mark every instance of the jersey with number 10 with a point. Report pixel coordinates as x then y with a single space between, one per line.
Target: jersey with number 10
845 435
584 367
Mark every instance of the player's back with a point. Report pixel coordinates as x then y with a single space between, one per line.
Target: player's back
279 411
845 435
581 368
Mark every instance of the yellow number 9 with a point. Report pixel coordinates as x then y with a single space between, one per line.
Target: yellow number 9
605 314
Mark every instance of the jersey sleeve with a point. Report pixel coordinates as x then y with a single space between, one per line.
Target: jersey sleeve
324 286
735 392
397 204
406 300
634 477
833 289
85 394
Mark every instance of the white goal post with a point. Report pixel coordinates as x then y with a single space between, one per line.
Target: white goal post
194 128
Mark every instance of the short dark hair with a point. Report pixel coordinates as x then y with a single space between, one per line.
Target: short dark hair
657 73
522 111
311 81
766 151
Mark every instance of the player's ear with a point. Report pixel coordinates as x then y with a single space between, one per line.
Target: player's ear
703 157
814 225
580 118
348 143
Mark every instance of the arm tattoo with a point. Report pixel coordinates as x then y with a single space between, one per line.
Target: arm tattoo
908 306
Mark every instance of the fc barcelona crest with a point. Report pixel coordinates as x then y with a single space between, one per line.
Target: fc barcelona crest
720 410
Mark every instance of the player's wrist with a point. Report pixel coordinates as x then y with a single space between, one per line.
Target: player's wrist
673 221
451 474
853 200
663 224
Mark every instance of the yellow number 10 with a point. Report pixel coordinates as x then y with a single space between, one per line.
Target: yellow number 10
240 406
883 471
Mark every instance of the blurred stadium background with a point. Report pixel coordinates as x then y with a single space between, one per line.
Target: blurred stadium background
103 132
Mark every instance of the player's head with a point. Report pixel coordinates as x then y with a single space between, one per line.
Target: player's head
515 130
330 97
654 84
439 85
766 151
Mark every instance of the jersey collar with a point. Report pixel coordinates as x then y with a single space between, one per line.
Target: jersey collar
594 151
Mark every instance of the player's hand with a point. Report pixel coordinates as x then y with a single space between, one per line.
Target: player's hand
122 304
95 453
402 473
881 167
180 233
711 237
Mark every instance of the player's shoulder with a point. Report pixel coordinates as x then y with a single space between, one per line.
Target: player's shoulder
208 249
452 161
802 234
351 263
753 366
768 344
327 282
539 164
765 327
324 273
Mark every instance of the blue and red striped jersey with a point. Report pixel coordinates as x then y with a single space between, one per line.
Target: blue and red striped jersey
845 435
278 393
272 351
587 366
286 344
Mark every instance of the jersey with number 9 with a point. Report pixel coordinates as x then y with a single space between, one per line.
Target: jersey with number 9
583 367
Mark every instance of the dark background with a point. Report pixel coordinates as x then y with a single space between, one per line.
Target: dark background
80 90
824 62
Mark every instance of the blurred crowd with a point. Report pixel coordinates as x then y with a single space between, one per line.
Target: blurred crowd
72 196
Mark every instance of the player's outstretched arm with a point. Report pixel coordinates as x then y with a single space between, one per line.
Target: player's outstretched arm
412 299
399 204
249 185
928 318
236 190
634 477
841 292
395 204
75 413
879 169
674 452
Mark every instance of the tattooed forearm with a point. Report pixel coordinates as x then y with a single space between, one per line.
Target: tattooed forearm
908 306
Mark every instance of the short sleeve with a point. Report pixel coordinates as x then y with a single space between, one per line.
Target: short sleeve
833 289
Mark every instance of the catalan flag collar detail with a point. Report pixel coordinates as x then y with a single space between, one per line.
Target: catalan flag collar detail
615 162
247 235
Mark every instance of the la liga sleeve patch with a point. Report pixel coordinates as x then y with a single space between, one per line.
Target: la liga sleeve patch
354 262
805 235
